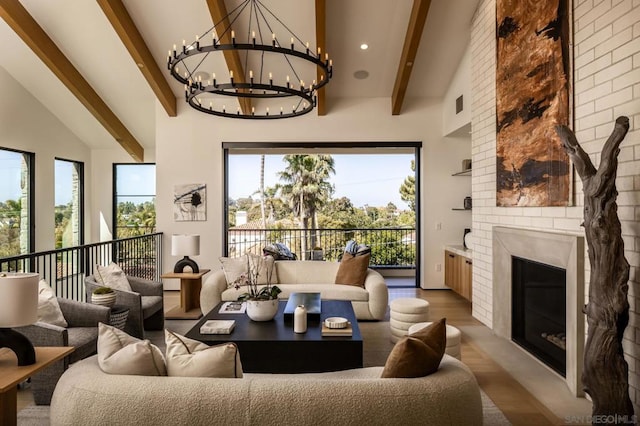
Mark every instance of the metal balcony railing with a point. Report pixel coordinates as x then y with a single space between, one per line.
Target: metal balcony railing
64 269
390 247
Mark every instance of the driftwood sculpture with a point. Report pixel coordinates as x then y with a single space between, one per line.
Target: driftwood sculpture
605 374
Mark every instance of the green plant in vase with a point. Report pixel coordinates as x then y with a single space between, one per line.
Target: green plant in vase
249 279
261 299
105 296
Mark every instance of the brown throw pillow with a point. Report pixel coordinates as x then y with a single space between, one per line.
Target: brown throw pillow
418 355
353 269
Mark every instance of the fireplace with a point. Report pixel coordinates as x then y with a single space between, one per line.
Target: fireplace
538 319
557 250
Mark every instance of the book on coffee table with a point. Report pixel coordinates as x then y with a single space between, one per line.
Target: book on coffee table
218 327
233 308
332 332
311 302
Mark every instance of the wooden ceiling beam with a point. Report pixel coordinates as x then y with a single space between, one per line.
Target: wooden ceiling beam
219 13
321 42
121 21
418 17
19 19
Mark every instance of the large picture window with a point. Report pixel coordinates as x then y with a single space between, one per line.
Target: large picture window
134 197
16 202
69 196
316 198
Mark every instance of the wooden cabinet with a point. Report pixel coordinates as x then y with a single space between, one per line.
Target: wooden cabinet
458 273
466 271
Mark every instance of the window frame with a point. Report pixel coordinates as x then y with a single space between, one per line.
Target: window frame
114 194
30 159
310 147
81 198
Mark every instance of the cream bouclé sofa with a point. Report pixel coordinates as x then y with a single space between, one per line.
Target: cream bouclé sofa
369 303
87 396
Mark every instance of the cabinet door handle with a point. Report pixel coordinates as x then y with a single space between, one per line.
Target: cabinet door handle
452 256
468 262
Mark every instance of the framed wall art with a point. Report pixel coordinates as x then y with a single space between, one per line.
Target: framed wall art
190 202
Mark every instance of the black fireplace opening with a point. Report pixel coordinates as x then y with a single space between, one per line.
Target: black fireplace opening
538 318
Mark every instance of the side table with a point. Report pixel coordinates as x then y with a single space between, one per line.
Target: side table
11 375
118 316
190 285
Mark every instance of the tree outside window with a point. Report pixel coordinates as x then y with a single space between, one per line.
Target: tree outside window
68 203
16 236
134 199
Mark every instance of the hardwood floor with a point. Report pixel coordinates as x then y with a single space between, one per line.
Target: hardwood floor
519 405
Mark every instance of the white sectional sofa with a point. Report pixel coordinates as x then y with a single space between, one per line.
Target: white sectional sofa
369 303
86 396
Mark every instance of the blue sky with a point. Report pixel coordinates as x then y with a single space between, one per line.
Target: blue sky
364 179
10 164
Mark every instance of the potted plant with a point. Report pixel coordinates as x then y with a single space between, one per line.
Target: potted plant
262 300
317 253
104 296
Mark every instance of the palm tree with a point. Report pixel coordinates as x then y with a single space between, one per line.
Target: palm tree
262 213
306 188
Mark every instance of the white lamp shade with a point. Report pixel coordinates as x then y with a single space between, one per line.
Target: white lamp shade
185 245
18 299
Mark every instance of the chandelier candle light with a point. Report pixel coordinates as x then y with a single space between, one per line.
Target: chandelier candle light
290 94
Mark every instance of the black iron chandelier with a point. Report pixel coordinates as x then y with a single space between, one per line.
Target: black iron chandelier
260 93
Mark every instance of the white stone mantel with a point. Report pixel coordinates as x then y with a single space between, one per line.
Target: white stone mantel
562 250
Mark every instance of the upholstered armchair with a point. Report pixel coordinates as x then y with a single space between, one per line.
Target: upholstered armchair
81 333
145 303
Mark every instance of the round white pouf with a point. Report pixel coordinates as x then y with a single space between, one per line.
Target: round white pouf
406 312
454 337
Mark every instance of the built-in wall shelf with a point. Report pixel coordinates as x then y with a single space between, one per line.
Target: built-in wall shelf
463 173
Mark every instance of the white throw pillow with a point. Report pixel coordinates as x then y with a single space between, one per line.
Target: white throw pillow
119 353
112 276
233 267
190 358
48 306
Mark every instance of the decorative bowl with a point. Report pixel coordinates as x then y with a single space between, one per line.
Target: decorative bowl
336 322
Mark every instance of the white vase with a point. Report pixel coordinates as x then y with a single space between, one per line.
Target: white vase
262 310
107 299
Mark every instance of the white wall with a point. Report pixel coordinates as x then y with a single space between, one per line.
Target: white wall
607 85
26 125
460 86
188 150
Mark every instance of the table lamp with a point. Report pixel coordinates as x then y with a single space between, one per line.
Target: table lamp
18 307
185 245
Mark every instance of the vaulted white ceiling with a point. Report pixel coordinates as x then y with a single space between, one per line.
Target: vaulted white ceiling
85 35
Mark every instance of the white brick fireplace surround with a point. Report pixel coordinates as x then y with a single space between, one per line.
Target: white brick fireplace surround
564 251
606 84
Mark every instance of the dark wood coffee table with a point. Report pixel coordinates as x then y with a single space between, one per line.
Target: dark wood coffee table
273 347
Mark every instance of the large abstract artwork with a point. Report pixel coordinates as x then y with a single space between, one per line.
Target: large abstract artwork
532 97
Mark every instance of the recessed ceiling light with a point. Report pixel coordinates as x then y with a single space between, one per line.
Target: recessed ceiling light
361 74
364 46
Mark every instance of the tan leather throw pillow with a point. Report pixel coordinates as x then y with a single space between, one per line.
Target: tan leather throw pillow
418 355
353 269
